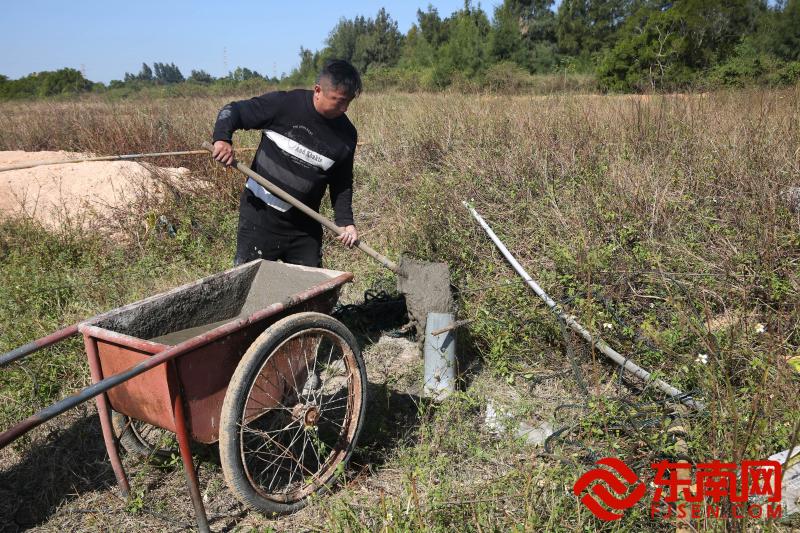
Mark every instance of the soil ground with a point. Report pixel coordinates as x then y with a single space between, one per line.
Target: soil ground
67 483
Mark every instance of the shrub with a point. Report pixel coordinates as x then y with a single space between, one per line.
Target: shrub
507 78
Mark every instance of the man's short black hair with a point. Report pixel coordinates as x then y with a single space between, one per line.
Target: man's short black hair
341 75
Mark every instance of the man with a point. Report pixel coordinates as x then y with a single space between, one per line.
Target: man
307 145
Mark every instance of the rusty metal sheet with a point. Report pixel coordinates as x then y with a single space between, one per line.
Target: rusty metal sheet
145 397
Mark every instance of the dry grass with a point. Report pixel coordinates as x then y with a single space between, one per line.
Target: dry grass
662 216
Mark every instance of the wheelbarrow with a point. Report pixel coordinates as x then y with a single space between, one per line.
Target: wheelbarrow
247 358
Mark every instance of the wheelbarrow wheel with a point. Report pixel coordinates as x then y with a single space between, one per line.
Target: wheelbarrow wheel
141 438
292 413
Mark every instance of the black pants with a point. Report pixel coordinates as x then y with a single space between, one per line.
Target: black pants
255 242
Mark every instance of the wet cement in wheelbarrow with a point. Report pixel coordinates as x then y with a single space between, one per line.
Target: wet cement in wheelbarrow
187 313
426 287
192 310
176 337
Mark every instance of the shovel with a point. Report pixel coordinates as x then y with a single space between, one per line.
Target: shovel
426 286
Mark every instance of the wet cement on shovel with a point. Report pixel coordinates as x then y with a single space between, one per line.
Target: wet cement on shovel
426 287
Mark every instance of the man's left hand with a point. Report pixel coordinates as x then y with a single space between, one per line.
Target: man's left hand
349 236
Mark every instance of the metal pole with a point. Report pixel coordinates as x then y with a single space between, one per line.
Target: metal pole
124 157
104 413
185 447
38 344
599 343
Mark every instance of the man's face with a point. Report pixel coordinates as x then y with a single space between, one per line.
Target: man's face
331 102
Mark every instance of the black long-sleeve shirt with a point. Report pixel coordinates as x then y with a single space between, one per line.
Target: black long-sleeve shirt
301 152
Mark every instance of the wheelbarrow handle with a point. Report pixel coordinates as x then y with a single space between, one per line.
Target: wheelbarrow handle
283 195
38 344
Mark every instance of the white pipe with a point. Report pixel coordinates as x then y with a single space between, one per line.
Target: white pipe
599 343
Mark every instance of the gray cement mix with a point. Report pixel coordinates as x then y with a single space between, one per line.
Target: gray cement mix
274 282
171 339
426 287
194 309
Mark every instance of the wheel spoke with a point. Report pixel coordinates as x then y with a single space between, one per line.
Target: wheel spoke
296 419
267 432
282 458
284 454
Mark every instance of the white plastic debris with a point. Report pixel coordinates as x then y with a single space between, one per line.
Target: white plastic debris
497 421
790 487
534 435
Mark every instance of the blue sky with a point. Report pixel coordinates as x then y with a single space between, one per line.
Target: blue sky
107 38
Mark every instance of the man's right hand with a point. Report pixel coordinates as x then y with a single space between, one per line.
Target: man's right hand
223 152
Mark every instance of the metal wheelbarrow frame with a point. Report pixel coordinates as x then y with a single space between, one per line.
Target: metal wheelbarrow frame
267 356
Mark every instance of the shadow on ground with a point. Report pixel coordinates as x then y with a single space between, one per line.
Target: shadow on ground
71 461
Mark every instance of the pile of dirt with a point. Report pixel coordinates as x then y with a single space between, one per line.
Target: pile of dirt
53 194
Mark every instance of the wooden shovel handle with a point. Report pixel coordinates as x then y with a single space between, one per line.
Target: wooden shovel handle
288 198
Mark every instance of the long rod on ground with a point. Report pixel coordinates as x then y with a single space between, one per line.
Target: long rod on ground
125 157
598 343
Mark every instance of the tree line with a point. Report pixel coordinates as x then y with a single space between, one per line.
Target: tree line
166 74
627 45
620 45
70 81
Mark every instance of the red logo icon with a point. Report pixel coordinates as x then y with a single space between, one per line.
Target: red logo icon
614 480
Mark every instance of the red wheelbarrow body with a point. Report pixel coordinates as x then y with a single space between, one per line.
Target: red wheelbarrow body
170 359
253 296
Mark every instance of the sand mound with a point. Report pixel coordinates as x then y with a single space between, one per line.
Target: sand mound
54 194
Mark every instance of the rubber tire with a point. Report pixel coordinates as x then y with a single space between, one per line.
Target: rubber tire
237 395
134 444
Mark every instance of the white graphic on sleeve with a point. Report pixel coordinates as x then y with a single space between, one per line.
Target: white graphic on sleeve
224 113
299 151
267 197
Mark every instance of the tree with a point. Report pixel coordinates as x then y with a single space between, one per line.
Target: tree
784 31
341 42
505 43
145 74
416 52
524 31
422 40
647 55
306 73
432 28
380 45
367 43
465 51
167 73
42 84
586 26
537 20
201 76
244 74
713 28
666 44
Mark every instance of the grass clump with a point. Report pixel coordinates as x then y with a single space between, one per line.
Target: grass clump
658 221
